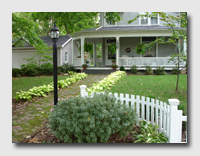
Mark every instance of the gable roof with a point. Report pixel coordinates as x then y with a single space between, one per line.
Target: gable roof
63 40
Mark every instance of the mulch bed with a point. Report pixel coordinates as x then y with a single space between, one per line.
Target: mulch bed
45 136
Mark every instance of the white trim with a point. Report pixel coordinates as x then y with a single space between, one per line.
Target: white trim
98 28
66 42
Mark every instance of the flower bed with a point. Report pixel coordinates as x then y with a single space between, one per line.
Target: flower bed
107 82
46 89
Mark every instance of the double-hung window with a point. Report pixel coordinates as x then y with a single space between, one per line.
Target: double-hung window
146 20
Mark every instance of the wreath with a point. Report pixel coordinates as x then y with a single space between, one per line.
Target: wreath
128 50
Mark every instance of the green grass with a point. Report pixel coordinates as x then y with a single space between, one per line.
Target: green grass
160 87
26 83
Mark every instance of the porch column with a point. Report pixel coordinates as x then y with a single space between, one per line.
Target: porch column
82 50
103 51
157 47
117 51
94 54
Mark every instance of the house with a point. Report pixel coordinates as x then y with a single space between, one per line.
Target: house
127 37
64 51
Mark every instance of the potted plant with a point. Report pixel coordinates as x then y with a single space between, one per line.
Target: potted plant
114 66
86 61
113 61
84 66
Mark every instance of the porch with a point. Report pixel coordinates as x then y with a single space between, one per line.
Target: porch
127 62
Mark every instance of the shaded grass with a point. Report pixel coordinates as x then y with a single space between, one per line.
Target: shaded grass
161 87
26 83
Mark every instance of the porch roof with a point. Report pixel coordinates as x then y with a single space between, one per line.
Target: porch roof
128 28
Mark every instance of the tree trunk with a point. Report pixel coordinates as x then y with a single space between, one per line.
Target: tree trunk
177 75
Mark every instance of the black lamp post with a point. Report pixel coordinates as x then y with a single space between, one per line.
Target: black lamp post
54 37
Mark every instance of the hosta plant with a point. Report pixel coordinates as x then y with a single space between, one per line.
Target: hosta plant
107 82
45 89
90 120
148 134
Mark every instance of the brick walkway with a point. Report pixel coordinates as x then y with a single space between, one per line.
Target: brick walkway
31 117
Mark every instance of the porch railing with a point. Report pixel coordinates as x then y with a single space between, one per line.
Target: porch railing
77 62
147 61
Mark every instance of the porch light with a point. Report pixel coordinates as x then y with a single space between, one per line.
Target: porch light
54 37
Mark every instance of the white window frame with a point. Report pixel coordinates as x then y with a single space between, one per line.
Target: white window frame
148 19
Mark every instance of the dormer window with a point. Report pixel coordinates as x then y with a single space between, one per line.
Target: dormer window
148 20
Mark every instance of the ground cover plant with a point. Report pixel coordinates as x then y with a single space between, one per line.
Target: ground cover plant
148 134
91 120
106 83
44 90
26 83
160 87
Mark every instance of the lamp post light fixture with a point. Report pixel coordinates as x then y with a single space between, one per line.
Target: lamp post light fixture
54 37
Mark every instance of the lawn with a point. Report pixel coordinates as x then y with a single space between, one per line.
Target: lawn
26 83
161 87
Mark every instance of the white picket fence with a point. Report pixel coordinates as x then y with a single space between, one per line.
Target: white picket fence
168 117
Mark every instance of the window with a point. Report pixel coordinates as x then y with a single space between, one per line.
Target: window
148 20
66 57
149 52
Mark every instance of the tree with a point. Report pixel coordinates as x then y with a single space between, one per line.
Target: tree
23 27
177 38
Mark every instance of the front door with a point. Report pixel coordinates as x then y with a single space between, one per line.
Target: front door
109 55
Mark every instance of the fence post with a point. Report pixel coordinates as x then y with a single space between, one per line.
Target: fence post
175 125
83 87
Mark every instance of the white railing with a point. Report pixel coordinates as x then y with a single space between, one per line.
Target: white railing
77 62
168 117
147 61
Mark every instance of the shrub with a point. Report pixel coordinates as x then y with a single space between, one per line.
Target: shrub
134 69
66 67
160 71
16 72
149 134
175 70
47 69
72 68
90 120
148 70
122 68
29 69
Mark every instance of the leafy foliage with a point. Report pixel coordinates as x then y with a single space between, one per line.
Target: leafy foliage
148 70
122 68
149 134
176 24
16 72
113 17
107 82
160 71
45 89
90 120
134 69
175 70
66 67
